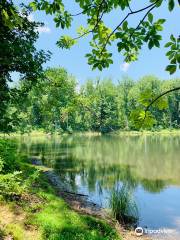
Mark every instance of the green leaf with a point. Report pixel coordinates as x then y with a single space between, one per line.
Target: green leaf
173 61
156 42
159 27
178 58
158 3
150 44
172 38
5 14
171 69
33 6
161 21
150 17
100 67
171 5
66 42
124 26
168 44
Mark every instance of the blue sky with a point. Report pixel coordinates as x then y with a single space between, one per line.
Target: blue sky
149 62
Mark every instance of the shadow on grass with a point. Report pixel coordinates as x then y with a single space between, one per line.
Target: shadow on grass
58 222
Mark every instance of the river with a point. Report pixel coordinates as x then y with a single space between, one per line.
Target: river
94 165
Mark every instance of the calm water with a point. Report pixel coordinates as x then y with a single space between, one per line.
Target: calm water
150 166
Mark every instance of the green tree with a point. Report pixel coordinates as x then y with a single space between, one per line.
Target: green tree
124 107
50 103
172 114
141 96
56 104
17 52
103 108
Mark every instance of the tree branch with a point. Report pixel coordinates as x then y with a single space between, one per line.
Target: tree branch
84 11
130 9
161 95
151 6
157 98
142 20
97 22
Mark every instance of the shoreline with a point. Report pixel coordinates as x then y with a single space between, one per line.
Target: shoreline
127 133
80 203
48 210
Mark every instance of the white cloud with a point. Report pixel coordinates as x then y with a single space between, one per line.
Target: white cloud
41 29
31 17
44 29
125 66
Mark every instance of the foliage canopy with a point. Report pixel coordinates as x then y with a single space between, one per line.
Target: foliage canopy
129 39
17 51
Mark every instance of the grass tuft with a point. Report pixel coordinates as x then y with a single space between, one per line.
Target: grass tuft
123 206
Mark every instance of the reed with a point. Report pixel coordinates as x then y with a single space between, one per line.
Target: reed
123 205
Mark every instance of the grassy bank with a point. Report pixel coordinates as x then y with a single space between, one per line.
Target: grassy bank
164 132
41 133
30 208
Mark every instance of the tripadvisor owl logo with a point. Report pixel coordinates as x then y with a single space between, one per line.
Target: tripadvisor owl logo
139 231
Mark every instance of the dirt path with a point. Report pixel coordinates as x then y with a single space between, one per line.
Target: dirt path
15 219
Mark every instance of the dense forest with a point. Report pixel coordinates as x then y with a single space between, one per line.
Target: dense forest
58 103
52 100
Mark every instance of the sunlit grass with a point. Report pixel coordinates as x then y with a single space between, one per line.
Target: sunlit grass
162 132
16 230
58 222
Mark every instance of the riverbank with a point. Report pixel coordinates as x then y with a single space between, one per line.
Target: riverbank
164 132
80 203
31 207
42 213
45 215
41 133
46 209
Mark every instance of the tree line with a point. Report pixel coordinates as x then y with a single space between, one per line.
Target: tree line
98 106
58 104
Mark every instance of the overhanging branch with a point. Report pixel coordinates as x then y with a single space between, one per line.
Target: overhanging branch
149 7
97 21
157 98
161 95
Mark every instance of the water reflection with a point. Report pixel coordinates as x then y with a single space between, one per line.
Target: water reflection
149 166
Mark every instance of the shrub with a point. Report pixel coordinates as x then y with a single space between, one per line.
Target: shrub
14 178
9 156
10 184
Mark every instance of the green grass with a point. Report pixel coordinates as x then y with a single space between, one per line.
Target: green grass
52 217
16 230
58 222
163 132
2 234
